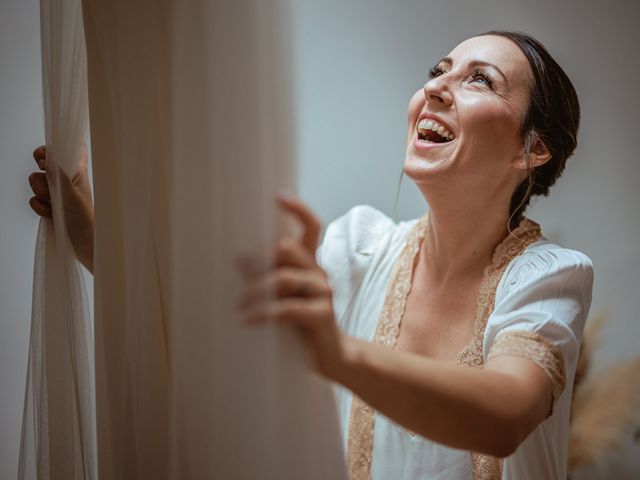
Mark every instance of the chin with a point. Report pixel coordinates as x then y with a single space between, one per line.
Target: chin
424 170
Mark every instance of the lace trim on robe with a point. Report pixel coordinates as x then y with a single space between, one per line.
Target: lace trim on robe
539 350
362 416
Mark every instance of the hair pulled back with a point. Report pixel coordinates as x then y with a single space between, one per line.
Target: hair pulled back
553 115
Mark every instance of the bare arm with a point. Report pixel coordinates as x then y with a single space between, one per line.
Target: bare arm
489 410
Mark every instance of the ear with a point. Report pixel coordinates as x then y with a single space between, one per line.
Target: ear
538 153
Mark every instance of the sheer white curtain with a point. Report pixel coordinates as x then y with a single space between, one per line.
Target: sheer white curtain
253 410
58 428
192 134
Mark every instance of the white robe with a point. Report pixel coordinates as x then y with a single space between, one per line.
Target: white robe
545 291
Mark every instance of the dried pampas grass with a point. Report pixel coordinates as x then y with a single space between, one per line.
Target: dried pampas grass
604 404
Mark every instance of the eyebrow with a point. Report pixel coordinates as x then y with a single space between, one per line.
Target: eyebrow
475 63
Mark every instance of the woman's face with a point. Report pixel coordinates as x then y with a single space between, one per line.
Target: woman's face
476 98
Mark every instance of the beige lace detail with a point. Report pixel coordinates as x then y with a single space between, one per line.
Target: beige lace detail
362 416
519 239
486 467
538 349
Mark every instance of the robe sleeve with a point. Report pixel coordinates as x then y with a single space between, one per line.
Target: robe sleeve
541 307
346 251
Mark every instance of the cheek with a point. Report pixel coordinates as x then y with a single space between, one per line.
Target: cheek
416 104
493 123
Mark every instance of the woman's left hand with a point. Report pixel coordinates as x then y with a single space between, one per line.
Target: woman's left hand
295 291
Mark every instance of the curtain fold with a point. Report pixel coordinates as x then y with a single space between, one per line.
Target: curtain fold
192 134
58 427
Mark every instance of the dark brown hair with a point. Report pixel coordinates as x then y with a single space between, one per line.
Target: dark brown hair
553 116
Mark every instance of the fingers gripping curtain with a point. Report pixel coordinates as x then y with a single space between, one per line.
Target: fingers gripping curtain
192 135
58 427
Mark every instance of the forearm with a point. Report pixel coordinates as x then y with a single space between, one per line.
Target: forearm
86 257
458 406
84 250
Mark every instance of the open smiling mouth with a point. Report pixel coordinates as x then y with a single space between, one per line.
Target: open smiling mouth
430 131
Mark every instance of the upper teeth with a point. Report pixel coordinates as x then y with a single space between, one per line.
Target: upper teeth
426 124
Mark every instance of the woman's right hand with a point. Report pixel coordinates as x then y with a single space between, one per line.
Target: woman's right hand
77 203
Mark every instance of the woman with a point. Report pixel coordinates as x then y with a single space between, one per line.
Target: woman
404 315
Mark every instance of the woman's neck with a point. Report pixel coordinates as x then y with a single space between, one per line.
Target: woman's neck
461 240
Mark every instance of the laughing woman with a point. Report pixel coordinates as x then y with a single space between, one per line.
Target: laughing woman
455 335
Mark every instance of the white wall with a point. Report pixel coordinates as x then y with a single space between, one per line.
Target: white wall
20 130
358 64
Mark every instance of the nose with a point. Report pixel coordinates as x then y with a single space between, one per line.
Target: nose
437 91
